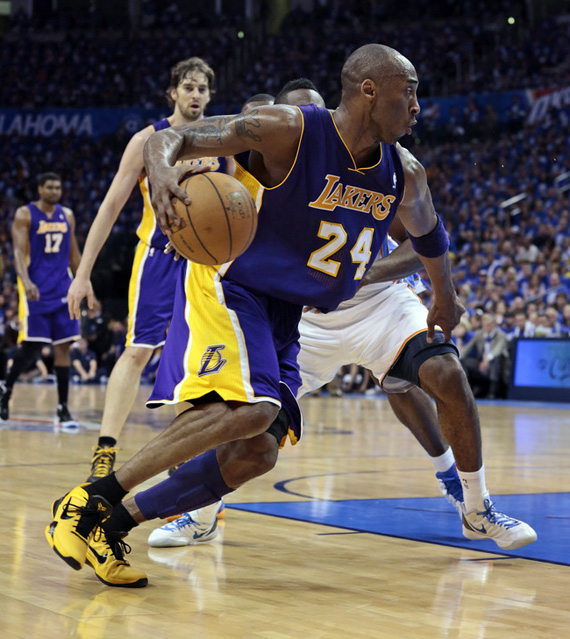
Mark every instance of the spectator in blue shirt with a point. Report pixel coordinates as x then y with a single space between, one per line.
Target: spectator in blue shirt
83 363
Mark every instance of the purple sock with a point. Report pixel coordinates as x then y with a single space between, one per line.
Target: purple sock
195 484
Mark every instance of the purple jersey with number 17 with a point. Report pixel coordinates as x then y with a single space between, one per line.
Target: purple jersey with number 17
48 258
320 229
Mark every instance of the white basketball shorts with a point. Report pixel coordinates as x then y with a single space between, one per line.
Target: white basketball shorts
369 330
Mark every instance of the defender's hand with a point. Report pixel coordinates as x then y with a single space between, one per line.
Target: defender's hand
169 248
445 315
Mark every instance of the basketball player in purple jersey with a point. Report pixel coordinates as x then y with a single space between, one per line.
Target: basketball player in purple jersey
45 248
154 274
329 186
352 333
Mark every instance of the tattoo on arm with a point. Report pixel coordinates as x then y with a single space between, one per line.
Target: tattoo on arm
211 130
214 130
245 125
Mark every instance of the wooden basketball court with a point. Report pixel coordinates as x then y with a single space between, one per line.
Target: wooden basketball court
347 537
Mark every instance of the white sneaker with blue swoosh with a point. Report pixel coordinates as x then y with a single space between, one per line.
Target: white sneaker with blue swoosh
506 532
191 528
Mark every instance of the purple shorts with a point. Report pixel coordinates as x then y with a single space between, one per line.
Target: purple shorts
52 325
227 339
151 296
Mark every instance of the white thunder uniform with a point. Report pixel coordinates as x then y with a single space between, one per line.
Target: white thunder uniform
370 330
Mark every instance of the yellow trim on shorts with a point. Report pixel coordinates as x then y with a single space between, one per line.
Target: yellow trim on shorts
147 226
141 255
23 312
206 308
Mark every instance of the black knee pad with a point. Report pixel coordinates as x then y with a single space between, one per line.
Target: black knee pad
416 352
280 426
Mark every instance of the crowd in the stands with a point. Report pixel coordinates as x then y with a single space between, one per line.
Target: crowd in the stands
511 262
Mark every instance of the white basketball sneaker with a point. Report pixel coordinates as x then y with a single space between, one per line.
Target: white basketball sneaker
191 528
506 532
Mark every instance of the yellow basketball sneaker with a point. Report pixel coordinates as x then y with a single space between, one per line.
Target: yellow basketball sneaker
107 558
75 515
102 462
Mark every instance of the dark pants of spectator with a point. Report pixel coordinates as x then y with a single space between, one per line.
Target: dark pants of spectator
484 385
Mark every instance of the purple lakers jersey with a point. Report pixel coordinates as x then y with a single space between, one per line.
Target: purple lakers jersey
148 230
48 259
320 229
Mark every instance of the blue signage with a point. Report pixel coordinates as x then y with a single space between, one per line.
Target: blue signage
93 123
105 121
542 362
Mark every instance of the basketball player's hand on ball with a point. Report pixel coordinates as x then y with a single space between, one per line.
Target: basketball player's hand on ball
79 289
169 249
165 186
446 315
32 292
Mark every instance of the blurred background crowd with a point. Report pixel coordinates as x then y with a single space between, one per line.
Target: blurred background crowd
499 175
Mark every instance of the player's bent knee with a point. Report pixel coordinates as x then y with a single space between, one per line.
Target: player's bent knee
253 420
263 451
443 376
136 356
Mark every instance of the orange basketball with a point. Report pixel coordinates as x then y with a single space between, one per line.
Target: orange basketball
220 222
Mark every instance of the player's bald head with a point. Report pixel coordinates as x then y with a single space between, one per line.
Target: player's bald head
375 62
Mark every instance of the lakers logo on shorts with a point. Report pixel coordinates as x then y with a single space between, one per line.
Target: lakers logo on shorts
211 361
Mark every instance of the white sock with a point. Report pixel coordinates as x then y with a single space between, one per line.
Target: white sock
474 489
444 462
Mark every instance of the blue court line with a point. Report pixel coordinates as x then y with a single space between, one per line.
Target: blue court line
432 520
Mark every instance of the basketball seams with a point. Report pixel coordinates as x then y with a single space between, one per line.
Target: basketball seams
225 214
192 224
202 223
252 215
